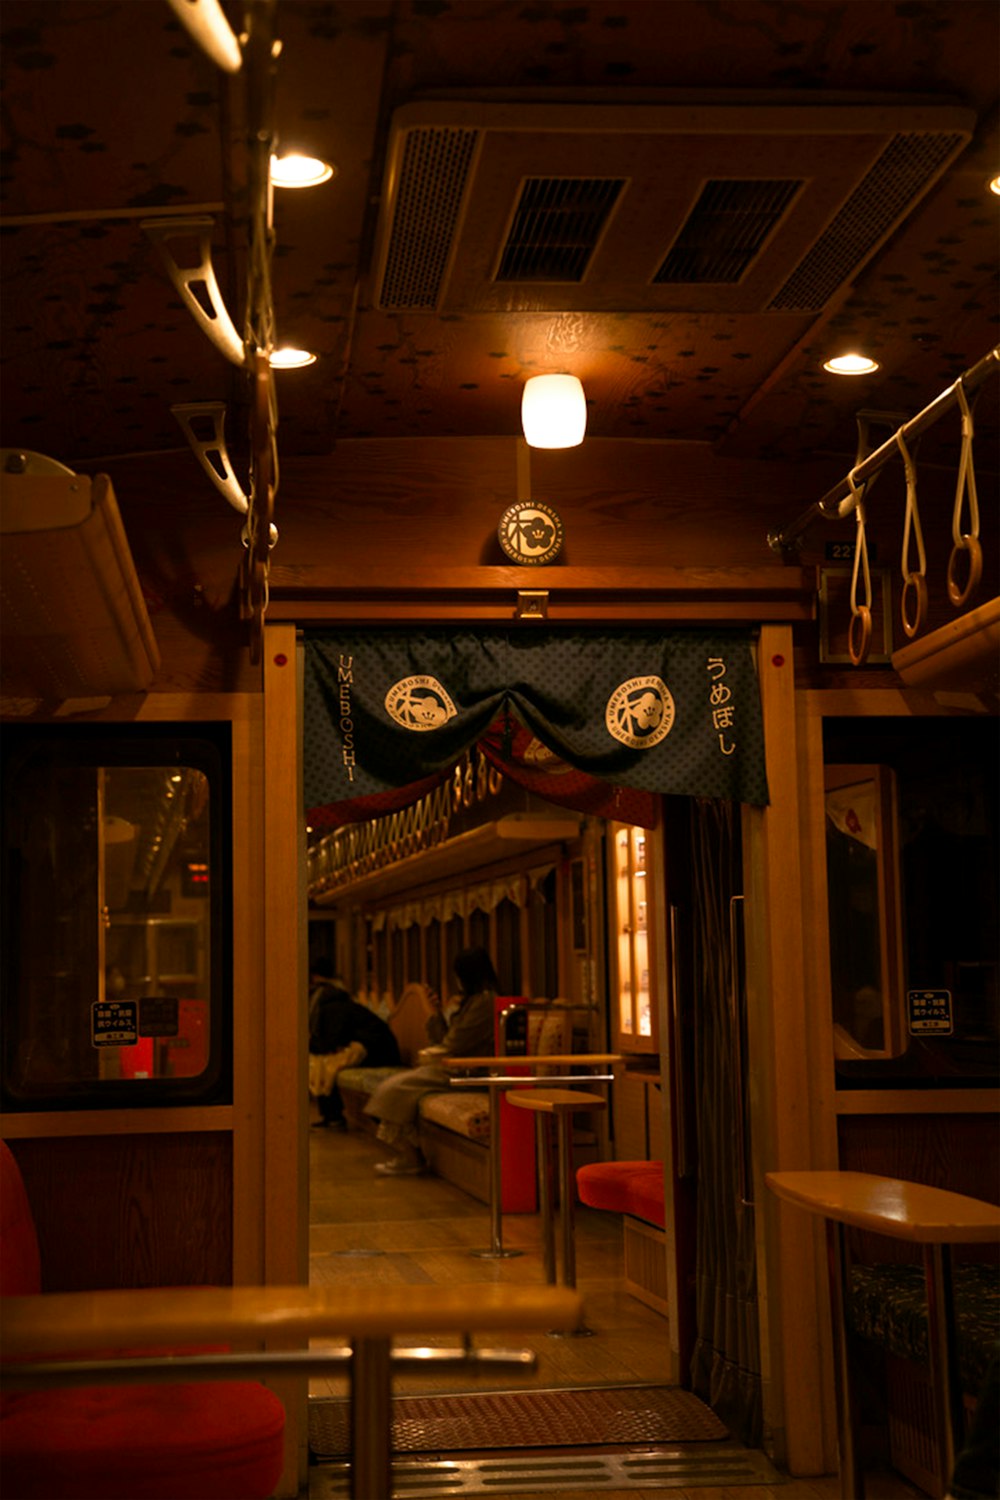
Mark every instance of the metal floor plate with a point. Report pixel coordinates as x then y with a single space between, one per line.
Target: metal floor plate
487 1420
672 1468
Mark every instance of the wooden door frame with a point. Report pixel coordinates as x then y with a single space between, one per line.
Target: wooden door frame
284 922
799 1422
785 1113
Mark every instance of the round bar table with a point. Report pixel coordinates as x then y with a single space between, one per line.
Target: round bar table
497 1083
930 1217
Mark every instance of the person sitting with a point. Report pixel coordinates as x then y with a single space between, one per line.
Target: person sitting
336 1020
469 1033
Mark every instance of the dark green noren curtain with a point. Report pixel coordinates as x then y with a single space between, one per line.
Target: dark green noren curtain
661 712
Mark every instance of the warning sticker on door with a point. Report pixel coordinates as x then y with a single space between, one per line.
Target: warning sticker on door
114 1023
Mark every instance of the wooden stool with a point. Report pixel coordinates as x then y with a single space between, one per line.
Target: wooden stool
563 1104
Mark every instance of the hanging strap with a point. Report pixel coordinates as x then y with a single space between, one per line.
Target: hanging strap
859 634
965 541
914 579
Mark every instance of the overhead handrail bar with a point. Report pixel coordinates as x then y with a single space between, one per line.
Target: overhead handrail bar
840 501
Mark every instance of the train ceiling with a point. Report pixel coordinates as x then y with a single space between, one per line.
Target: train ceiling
689 205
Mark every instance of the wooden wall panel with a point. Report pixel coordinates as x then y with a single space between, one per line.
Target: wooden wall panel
126 1211
623 505
381 508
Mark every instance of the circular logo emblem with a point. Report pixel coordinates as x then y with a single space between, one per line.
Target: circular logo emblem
640 713
540 758
530 532
419 703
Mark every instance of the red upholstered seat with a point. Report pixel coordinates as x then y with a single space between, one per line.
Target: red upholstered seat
199 1441
20 1266
218 1440
624 1187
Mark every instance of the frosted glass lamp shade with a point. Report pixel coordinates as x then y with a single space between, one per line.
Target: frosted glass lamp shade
553 411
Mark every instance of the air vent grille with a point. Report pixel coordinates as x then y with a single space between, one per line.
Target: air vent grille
433 175
725 230
557 224
878 203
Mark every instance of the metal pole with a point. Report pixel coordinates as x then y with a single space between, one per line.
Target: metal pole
566 1195
852 1478
839 501
545 1198
496 1250
946 1390
371 1419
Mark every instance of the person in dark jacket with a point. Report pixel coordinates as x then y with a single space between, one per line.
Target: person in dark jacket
335 1020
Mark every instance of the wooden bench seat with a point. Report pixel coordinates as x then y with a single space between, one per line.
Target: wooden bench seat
455 1128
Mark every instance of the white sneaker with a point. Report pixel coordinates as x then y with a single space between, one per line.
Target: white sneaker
397 1167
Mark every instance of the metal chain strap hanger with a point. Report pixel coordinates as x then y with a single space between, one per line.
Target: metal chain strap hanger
847 497
255 53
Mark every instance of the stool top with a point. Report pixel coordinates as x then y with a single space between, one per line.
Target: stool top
555 1101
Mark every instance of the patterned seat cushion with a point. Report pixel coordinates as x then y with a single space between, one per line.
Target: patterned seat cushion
889 1305
466 1113
363 1080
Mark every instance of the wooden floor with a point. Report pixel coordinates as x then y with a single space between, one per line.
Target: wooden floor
419 1231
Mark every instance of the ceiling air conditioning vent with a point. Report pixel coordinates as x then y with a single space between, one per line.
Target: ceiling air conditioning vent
556 226
435 170
725 230
876 205
676 204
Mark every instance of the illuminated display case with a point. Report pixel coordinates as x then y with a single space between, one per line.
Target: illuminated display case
631 951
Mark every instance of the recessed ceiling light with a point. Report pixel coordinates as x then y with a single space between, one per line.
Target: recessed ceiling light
291 359
295 171
851 364
995 185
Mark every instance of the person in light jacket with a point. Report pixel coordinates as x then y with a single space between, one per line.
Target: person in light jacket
469 1033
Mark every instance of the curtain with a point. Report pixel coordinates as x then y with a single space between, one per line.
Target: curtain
725 1365
656 713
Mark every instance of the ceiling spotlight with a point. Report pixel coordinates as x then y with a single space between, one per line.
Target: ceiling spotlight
295 171
290 359
851 364
553 411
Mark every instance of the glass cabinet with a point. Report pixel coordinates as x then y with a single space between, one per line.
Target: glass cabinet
633 1015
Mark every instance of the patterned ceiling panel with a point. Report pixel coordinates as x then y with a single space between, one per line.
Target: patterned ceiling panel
111 115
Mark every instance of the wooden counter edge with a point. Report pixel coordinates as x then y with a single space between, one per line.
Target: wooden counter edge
72 1322
889 1205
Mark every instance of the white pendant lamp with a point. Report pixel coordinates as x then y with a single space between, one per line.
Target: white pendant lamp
553 411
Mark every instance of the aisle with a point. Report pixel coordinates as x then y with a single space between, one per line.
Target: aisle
418 1231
